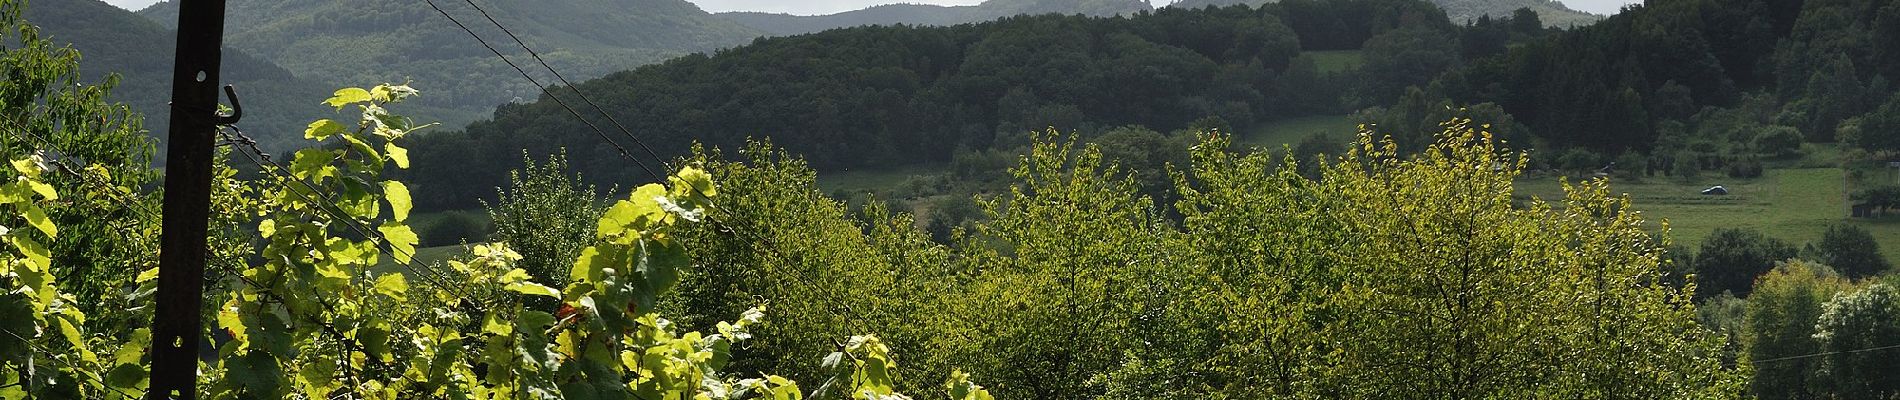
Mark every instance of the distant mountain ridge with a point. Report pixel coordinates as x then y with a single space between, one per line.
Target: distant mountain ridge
363 42
930 15
113 40
1552 12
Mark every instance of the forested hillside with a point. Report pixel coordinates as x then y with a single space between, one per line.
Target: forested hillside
932 15
140 51
1707 82
1551 12
332 42
886 96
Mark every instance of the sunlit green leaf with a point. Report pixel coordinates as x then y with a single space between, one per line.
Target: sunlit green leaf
397 194
347 96
36 217
401 239
322 129
393 285
397 154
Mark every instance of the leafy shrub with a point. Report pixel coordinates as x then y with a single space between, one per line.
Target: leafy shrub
1778 142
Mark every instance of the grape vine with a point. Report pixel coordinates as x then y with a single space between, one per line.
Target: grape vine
322 313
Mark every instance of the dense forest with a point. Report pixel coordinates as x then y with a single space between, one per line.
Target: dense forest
885 96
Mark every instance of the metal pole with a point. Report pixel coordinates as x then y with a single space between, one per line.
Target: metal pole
176 322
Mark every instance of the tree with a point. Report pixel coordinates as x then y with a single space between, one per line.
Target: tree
1852 251
1731 259
1849 325
547 215
1410 56
1380 262
1833 94
1877 130
1525 21
1779 323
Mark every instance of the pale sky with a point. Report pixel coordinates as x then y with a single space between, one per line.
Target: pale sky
812 7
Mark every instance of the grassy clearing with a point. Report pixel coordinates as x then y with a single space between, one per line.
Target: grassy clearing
1794 205
874 179
1333 61
1289 132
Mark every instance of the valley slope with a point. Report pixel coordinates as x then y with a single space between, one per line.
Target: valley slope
114 40
365 42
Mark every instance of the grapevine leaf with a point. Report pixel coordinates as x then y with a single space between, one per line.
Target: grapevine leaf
592 264
493 324
38 219
45 190
356 200
347 96
397 154
127 377
375 338
322 129
380 93
398 196
313 164
147 275
393 285
257 373
536 289
229 319
38 258
27 167
401 239
693 182
70 331
662 264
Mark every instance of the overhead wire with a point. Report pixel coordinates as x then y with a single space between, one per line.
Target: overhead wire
544 90
1823 354
570 85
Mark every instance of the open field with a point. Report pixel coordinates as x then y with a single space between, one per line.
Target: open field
1290 131
865 179
1794 205
1337 60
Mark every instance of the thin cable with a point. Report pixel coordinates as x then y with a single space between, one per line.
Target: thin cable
1897 346
544 90
564 81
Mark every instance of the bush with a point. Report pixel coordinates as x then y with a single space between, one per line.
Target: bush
1580 160
1778 142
